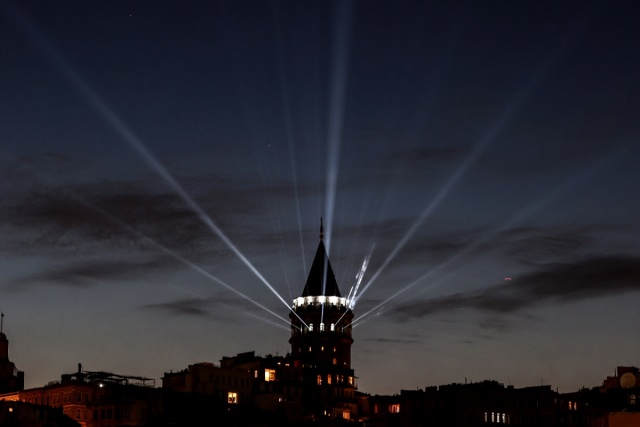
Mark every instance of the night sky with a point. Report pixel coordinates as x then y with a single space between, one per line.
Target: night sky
164 166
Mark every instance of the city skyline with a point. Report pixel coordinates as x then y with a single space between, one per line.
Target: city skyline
165 168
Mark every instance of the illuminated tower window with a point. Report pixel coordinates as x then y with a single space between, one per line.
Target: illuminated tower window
321 327
333 327
232 397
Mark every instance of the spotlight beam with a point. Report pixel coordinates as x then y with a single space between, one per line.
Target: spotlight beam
359 277
174 254
489 137
138 146
620 152
340 49
288 122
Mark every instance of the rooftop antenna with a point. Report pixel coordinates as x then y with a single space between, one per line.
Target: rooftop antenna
1 322
321 230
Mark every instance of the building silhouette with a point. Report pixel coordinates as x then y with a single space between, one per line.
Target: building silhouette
98 398
314 381
321 342
11 379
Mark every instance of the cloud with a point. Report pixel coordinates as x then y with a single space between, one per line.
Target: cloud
572 281
120 214
83 216
535 245
181 307
89 272
528 246
81 226
393 341
200 307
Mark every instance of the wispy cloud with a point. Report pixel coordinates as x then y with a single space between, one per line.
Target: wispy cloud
84 272
572 281
186 306
119 214
201 307
393 340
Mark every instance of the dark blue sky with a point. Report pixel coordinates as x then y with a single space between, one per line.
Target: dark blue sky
164 167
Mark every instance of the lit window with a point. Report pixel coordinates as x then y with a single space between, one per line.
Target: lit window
232 397
335 361
310 327
309 348
255 374
319 379
394 408
329 379
333 327
350 380
322 348
345 415
321 327
269 374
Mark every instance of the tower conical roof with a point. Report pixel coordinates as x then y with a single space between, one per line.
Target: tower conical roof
321 280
